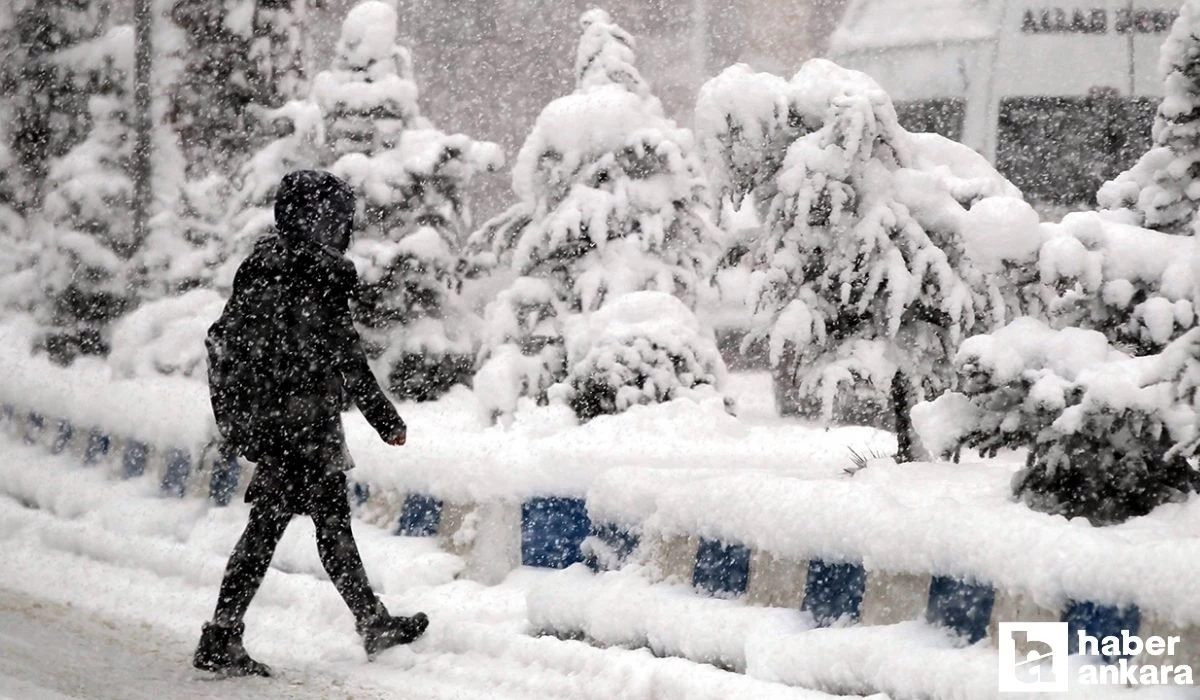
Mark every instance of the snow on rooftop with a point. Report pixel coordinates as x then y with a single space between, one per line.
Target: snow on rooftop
874 24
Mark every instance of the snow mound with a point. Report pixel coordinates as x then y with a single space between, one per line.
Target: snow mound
165 336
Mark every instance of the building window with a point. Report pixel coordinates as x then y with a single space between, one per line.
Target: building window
938 115
1059 150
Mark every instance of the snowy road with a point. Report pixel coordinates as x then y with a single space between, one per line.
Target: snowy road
51 651
104 585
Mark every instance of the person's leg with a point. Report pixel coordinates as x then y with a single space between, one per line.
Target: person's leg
220 648
339 552
249 563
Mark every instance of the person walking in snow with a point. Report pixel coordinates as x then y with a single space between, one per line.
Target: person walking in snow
284 362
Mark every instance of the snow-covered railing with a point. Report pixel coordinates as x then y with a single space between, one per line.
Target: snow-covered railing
897 543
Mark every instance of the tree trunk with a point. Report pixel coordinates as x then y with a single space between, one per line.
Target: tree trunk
143 51
901 407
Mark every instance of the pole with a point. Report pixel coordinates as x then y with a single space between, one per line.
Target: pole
143 51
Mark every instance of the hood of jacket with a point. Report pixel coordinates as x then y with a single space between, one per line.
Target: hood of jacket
315 206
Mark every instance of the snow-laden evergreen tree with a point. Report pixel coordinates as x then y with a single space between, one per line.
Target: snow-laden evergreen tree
410 257
368 96
298 144
863 282
361 121
83 269
745 122
48 74
412 182
612 200
241 56
1162 189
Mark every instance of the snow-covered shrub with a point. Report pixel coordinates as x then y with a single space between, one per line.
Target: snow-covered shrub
165 336
1162 189
523 353
1108 436
412 181
863 281
1137 287
612 196
84 268
640 348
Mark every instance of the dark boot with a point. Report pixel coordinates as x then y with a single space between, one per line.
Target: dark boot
221 651
386 631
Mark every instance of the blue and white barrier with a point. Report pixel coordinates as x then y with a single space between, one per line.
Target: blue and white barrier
687 535
842 553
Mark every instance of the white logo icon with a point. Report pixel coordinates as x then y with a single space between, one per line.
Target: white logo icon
1033 657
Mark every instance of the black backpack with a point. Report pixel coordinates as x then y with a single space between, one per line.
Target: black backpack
235 385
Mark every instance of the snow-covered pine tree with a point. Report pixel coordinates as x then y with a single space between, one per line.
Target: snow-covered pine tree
368 97
49 87
745 122
298 144
84 268
276 52
209 102
412 181
411 258
362 122
863 282
1162 189
612 201
241 56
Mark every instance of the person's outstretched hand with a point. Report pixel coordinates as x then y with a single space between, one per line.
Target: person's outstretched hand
399 438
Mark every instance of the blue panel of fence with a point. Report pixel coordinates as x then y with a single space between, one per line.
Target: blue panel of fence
1097 622
358 492
721 569
97 447
179 466
226 472
62 437
552 531
834 591
618 540
34 427
133 462
961 606
420 516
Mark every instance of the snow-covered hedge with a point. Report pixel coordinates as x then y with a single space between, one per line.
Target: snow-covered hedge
640 348
1109 436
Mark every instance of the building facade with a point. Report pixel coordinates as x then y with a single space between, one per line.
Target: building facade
1059 94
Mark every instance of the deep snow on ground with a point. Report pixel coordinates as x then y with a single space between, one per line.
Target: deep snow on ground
103 561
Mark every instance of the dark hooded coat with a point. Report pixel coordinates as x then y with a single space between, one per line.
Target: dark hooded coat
299 358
